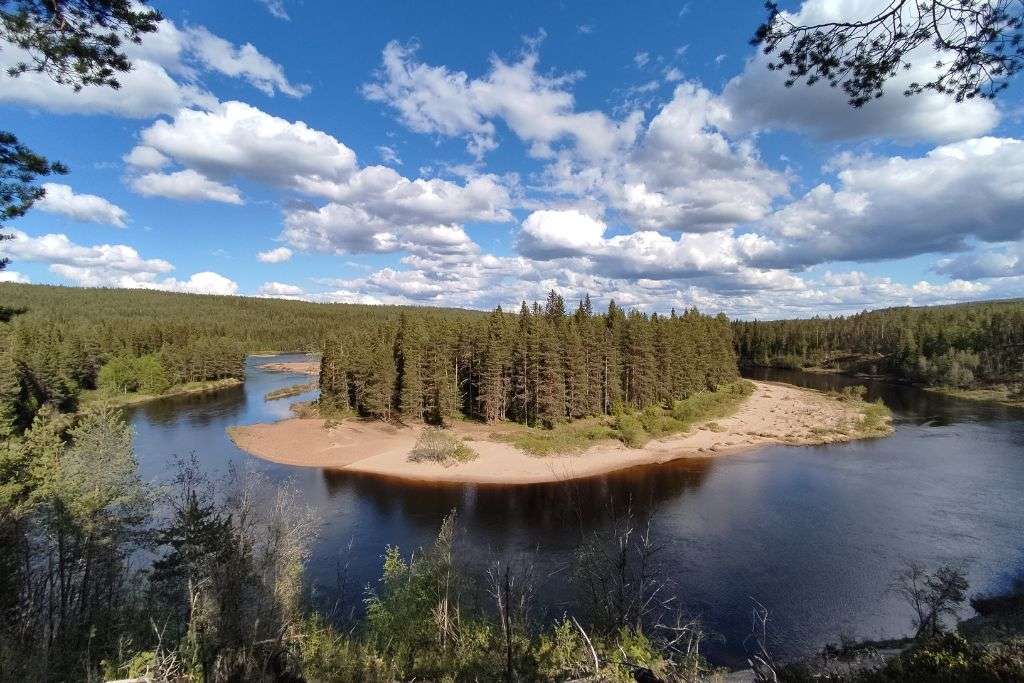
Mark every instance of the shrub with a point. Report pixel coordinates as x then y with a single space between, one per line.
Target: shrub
630 430
437 445
124 374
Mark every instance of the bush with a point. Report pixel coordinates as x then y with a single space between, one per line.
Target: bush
124 374
437 445
630 430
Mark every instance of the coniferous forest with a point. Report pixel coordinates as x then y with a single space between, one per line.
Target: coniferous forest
963 345
540 366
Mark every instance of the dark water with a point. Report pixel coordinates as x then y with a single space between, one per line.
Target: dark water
813 533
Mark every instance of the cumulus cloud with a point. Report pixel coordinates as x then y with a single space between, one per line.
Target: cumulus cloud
280 290
550 234
538 108
759 99
188 185
166 76
245 62
108 265
237 139
85 208
142 156
13 276
996 261
59 250
279 255
894 207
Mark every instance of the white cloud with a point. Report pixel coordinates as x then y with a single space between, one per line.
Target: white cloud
388 155
108 265
279 255
280 290
996 261
166 76
883 208
237 139
13 276
86 208
57 249
188 185
552 234
142 156
245 62
538 108
276 9
759 99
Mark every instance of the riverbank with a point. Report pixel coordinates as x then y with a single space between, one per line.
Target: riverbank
773 414
96 396
1001 396
302 367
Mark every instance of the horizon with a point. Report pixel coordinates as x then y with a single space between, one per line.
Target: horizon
468 158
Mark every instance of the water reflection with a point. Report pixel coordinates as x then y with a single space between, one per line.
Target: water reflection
815 533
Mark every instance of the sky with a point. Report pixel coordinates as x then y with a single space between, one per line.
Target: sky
481 154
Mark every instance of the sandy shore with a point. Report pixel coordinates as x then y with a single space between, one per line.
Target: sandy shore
774 413
305 367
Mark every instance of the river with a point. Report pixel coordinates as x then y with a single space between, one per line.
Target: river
813 533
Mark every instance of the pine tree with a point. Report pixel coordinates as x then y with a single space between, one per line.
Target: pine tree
409 362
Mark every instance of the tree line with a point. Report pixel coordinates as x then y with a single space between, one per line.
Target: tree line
960 345
61 341
541 366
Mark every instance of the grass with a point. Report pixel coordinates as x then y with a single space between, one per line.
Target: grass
875 415
1002 395
441 446
120 400
293 390
631 427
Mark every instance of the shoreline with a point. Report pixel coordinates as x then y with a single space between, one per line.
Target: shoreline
774 414
300 367
134 399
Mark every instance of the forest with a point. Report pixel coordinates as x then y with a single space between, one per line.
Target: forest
539 367
61 341
962 345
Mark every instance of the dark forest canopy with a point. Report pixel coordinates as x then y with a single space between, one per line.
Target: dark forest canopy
539 366
960 345
62 337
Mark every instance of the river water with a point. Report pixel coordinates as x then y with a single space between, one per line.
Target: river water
815 534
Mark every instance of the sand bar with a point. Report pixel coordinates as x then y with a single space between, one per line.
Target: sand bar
774 413
304 367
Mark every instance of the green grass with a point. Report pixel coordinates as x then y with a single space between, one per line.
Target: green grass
119 400
293 390
876 417
632 427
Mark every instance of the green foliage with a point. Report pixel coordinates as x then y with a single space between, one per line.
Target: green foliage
438 445
286 392
949 658
75 42
959 346
569 437
125 374
876 416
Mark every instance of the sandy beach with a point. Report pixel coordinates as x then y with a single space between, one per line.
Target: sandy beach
304 367
774 413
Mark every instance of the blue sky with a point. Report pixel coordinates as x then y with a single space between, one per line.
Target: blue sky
465 155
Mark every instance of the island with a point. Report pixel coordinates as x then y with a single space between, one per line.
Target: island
772 414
